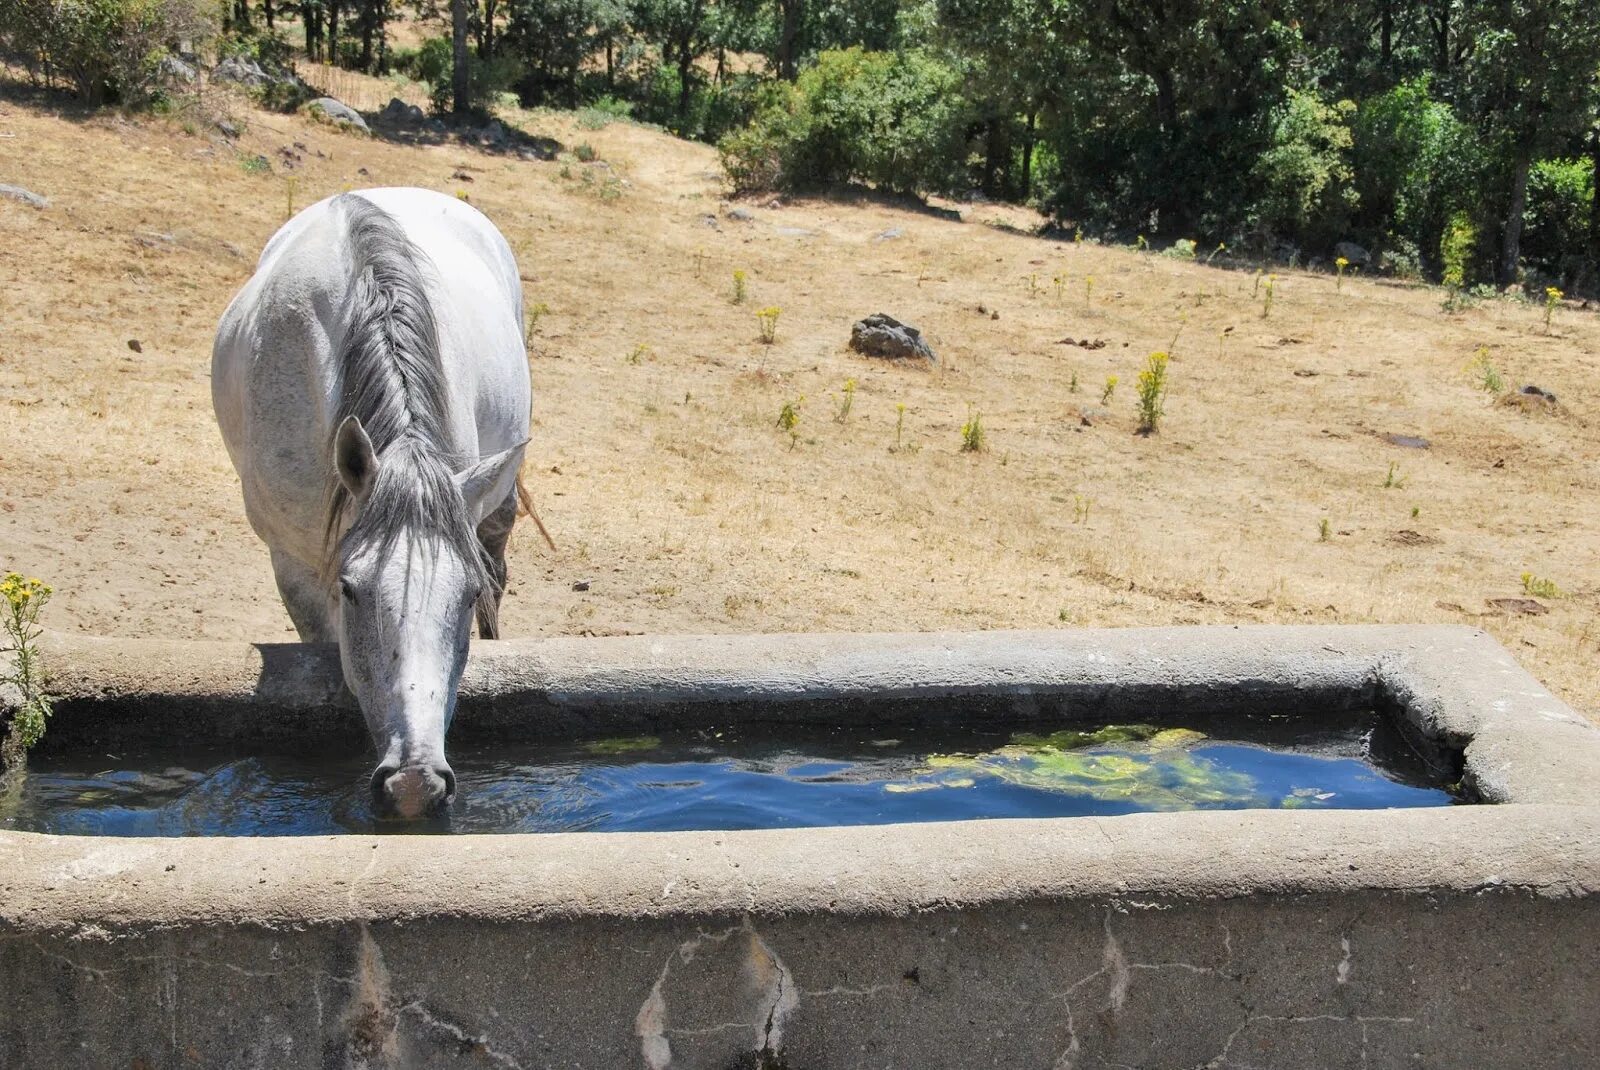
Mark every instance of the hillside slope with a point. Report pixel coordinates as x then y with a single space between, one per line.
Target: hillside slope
656 460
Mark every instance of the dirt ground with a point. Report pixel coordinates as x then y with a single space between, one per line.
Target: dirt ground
677 503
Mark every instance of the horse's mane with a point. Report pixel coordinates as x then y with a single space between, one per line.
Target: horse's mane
392 379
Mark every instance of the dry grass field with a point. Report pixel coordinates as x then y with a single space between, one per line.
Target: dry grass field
657 462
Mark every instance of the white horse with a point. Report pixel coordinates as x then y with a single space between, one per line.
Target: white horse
372 388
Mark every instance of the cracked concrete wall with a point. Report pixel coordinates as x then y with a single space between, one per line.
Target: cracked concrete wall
1504 978
1284 939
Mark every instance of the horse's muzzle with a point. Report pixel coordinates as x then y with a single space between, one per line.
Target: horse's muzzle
413 791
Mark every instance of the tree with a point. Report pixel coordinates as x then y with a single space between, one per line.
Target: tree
460 83
1529 79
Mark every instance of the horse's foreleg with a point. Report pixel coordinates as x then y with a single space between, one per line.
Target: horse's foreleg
494 532
305 597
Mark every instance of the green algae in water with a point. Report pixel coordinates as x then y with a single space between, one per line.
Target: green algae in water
622 745
1138 764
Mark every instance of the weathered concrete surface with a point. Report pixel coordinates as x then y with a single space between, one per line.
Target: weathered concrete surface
1426 938
1442 938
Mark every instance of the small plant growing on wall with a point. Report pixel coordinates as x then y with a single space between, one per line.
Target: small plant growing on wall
20 665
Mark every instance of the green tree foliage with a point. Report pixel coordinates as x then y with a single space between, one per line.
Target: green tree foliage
107 51
891 119
1304 173
1407 126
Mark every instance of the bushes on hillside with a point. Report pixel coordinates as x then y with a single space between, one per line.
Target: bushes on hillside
107 51
1305 173
1560 198
433 62
894 120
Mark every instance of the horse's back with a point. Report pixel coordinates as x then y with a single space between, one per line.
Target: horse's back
275 373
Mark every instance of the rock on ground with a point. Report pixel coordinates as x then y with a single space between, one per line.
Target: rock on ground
339 112
881 335
1353 253
26 196
398 111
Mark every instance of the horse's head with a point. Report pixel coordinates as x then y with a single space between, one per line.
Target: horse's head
411 573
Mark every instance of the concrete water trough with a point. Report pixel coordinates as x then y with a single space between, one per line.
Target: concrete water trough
1447 937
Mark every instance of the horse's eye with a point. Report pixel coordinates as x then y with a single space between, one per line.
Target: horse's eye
348 591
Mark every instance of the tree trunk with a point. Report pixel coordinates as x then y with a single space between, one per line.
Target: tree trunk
241 15
1511 242
368 20
993 148
312 14
790 13
1594 212
685 68
460 83
1386 34
266 11
1027 155
333 31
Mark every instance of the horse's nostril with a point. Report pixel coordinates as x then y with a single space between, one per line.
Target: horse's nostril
380 779
449 779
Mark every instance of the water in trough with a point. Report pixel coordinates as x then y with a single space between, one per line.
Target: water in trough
751 777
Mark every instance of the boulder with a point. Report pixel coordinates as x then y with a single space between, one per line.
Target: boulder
398 111
1353 253
242 70
177 70
25 196
339 113
880 335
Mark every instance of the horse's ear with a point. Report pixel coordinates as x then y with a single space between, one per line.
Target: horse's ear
353 458
491 479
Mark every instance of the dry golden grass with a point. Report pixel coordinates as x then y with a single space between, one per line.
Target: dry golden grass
665 479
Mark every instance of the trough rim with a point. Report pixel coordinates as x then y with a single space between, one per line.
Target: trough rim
1524 750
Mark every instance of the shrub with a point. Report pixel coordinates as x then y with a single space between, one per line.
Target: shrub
1416 164
603 112
893 120
1458 252
1560 193
1305 171
1152 393
108 51
434 62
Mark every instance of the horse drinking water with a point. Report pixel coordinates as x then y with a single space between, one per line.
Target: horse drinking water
372 388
